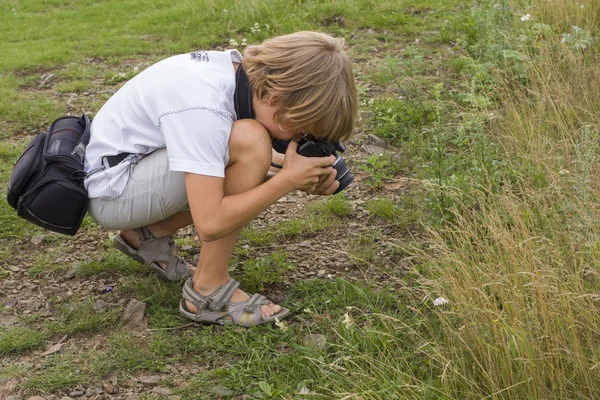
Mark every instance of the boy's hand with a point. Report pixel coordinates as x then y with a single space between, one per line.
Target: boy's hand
309 173
327 185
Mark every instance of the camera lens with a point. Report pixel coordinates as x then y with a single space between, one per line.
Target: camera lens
343 174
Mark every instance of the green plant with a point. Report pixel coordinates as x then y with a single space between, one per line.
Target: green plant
380 168
262 271
20 339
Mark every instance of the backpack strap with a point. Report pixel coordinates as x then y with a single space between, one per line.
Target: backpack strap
79 150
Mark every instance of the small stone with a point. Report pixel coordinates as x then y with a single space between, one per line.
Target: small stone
7 320
76 393
101 306
10 302
134 313
13 268
162 391
36 398
36 242
151 380
315 341
110 388
66 398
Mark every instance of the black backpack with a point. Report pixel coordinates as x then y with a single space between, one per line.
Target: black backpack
46 185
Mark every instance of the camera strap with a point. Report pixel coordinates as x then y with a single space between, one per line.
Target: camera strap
242 98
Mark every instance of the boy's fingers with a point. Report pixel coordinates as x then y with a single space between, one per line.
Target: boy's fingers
292 146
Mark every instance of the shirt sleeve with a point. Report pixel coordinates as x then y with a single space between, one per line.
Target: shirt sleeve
197 141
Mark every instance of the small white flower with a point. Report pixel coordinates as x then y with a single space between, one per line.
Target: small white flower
304 390
526 17
281 325
225 11
307 310
440 301
233 42
564 172
136 69
347 320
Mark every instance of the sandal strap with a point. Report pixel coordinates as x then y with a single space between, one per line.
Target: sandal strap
255 301
223 295
199 301
144 234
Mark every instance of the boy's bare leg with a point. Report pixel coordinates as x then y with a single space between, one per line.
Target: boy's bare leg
249 160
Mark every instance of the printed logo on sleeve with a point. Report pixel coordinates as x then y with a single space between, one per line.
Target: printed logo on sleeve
199 56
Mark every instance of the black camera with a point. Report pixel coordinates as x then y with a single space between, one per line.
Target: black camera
312 147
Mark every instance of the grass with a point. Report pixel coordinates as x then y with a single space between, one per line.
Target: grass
20 339
496 117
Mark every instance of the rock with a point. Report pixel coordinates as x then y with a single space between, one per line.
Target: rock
36 398
162 391
101 306
110 388
315 341
10 302
150 381
13 268
36 242
7 320
221 390
7 386
134 313
76 393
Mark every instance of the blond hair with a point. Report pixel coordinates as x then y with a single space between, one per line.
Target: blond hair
309 79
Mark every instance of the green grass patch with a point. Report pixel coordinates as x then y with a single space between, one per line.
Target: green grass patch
20 339
253 274
112 262
62 373
333 206
83 317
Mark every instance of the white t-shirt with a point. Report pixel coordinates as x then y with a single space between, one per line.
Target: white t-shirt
183 103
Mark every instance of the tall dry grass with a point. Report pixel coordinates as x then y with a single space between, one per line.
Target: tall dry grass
522 268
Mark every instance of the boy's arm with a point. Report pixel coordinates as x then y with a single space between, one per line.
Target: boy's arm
216 215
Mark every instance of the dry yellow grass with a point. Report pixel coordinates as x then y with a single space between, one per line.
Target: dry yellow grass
522 270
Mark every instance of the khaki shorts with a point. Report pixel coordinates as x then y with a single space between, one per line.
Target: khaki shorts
153 193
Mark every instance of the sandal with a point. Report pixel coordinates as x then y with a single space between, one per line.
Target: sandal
153 251
218 309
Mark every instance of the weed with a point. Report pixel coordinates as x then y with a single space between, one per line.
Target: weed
113 262
257 236
380 168
83 317
61 374
383 207
262 271
337 206
20 339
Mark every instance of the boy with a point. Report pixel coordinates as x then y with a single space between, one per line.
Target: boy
169 149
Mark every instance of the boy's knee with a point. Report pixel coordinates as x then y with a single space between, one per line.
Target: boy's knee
249 139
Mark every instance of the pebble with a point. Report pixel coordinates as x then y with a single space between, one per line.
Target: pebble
76 393
163 391
13 268
151 380
134 313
